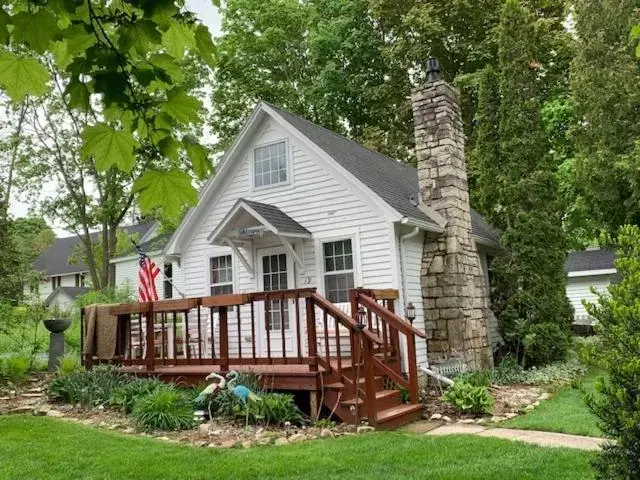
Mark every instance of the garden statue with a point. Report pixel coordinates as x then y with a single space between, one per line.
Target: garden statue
242 393
211 390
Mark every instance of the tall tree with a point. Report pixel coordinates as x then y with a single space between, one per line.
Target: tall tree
605 86
121 61
31 236
320 58
521 196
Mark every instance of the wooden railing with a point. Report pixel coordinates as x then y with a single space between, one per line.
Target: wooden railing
247 329
378 307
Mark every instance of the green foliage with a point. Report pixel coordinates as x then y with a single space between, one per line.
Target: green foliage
88 388
545 343
467 398
518 189
69 363
164 409
15 368
510 372
618 325
480 378
22 330
271 409
126 396
106 58
605 87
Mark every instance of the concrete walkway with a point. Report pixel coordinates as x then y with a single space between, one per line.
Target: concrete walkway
544 439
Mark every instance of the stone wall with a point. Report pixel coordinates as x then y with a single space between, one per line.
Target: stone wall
453 286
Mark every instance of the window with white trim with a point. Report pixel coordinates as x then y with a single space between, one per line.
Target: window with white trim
221 275
338 270
270 165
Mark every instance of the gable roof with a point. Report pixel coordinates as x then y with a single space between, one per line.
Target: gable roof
55 259
393 185
71 292
395 182
276 217
590 260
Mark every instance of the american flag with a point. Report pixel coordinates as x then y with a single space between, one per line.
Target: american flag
147 278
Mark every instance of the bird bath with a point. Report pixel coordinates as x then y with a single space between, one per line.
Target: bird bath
56 326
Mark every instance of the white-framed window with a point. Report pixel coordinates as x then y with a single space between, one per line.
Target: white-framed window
339 274
221 269
270 166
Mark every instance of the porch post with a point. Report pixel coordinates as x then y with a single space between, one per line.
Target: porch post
311 335
224 339
151 351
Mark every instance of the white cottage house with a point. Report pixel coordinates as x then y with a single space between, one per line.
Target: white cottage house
294 205
301 258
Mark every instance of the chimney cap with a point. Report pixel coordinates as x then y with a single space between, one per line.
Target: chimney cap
433 70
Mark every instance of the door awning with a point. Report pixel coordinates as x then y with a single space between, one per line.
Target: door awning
248 220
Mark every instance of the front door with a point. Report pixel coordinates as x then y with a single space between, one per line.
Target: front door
277 319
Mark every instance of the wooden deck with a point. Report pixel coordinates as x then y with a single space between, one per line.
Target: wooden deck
351 363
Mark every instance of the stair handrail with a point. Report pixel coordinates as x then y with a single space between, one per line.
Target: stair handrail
402 326
343 318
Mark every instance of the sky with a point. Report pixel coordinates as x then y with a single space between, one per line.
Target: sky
210 17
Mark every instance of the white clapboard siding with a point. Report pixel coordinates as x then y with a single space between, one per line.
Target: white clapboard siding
316 200
579 290
127 276
413 259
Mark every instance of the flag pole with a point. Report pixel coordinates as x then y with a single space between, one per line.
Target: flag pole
140 252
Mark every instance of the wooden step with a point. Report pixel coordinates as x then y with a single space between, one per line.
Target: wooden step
398 415
384 399
340 385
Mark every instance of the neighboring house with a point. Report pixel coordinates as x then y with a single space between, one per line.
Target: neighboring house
64 297
58 272
294 205
168 282
586 270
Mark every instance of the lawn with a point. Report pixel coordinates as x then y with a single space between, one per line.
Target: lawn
565 412
45 448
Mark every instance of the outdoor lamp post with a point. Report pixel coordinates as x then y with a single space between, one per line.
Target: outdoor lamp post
411 312
362 316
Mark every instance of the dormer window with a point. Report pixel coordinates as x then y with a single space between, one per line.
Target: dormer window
270 165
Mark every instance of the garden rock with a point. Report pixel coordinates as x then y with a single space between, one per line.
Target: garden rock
22 409
436 416
544 396
446 419
365 429
510 414
297 437
281 441
326 433
467 421
247 444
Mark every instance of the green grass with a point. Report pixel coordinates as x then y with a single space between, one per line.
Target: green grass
565 412
45 448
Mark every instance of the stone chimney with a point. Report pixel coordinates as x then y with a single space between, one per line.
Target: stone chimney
453 286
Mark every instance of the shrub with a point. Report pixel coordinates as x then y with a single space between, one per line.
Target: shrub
616 401
69 363
271 409
545 343
481 378
509 372
88 388
126 396
468 398
164 409
15 368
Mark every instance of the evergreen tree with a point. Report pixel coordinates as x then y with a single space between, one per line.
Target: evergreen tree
519 194
10 282
616 404
605 84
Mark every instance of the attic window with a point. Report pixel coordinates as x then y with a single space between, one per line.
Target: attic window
270 165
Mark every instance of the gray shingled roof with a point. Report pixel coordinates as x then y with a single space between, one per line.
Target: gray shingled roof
276 217
55 260
590 260
395 182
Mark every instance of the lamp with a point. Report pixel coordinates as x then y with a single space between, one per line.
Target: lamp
362 316
411 312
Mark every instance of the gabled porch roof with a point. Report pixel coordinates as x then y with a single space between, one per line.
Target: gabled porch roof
248 220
